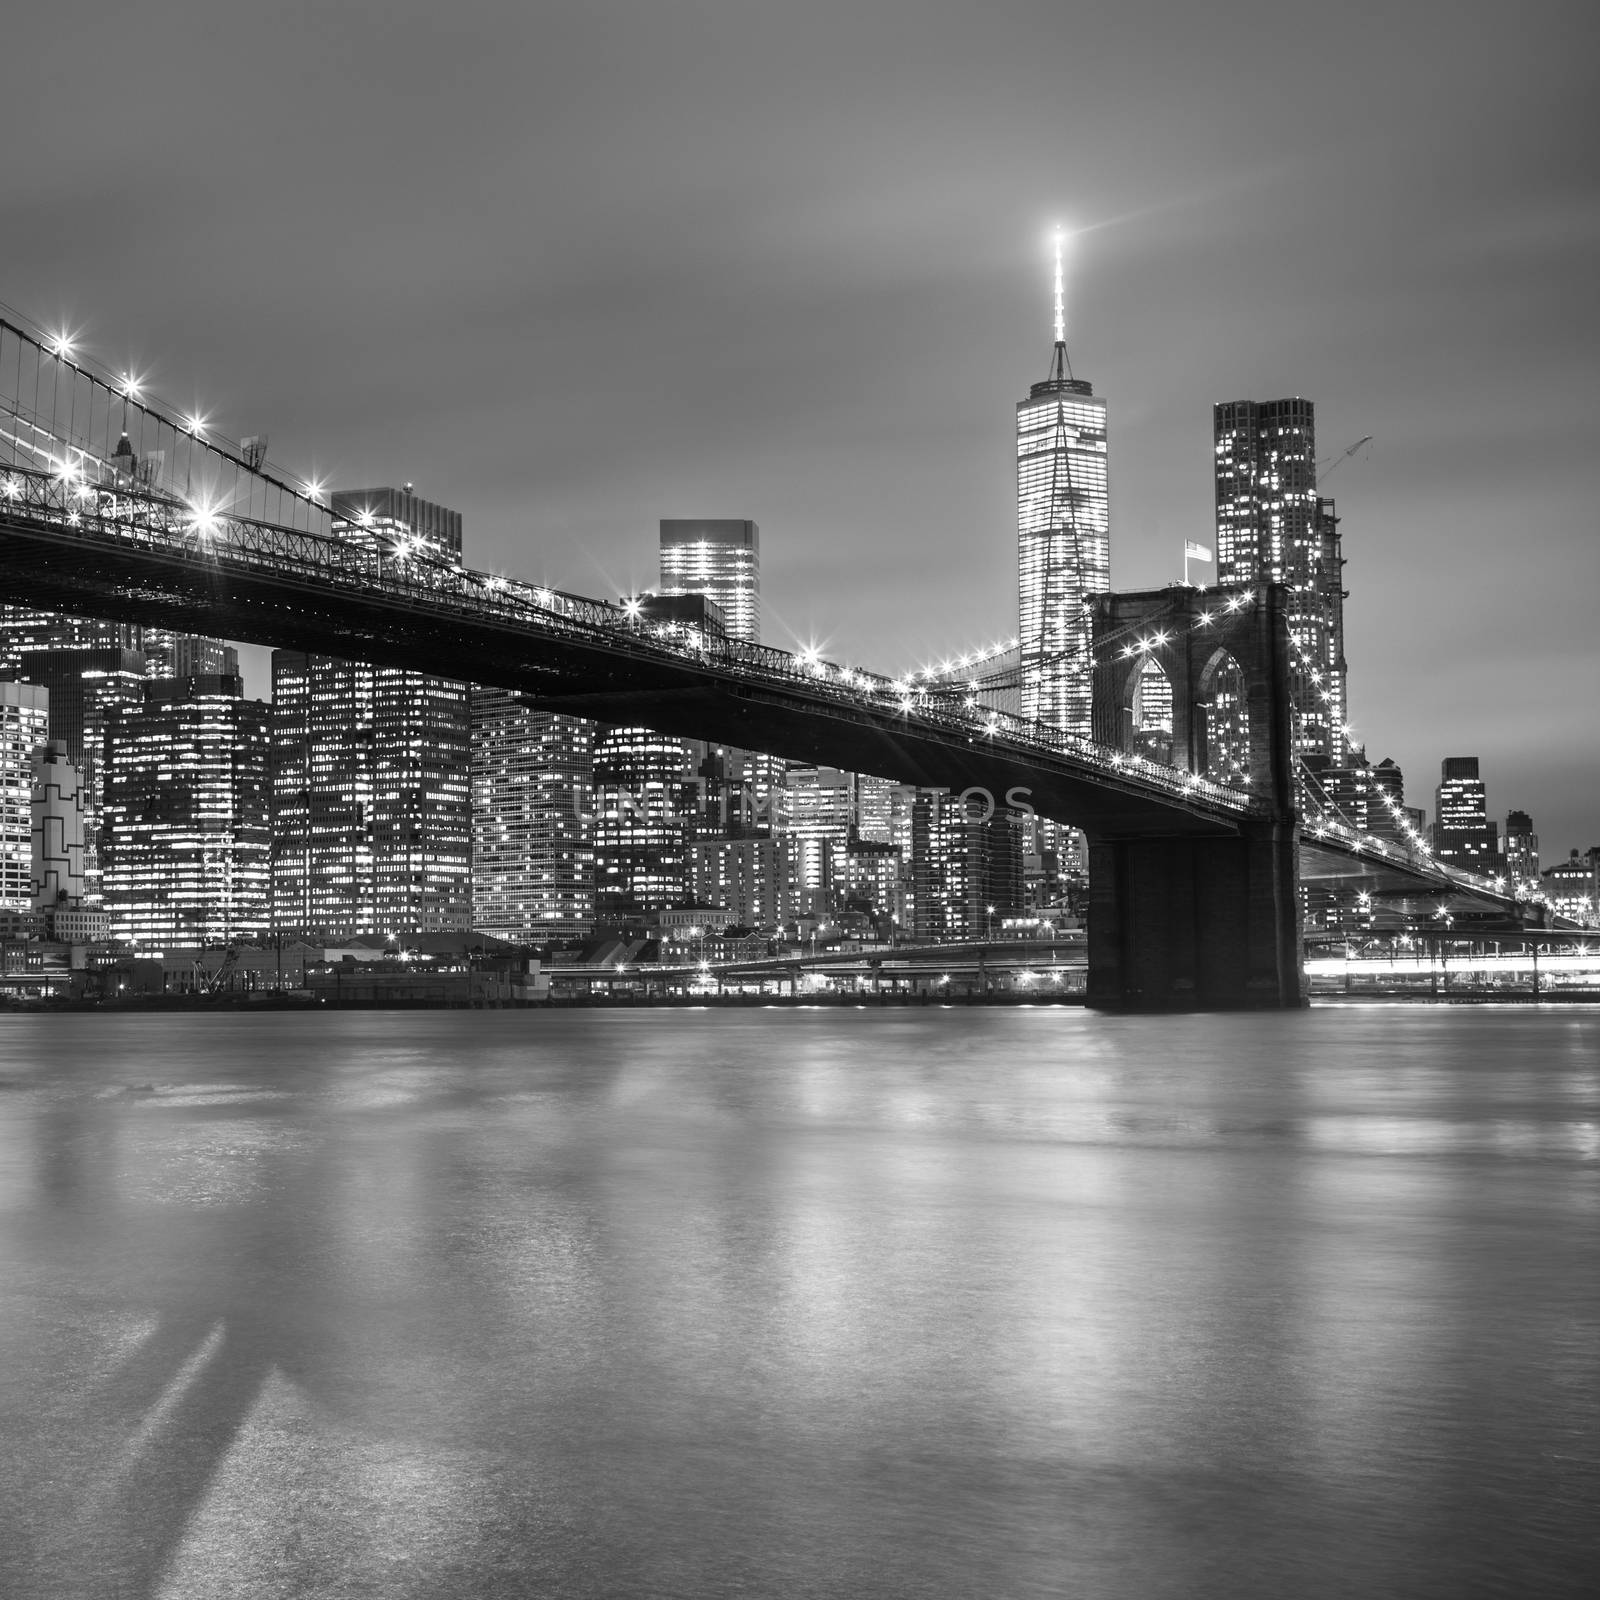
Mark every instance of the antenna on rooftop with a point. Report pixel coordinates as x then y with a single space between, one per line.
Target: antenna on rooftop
1061 297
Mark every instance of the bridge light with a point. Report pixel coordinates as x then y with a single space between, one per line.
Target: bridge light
195 424
10 488
314 488
62 345
131 386
203 519
1204 619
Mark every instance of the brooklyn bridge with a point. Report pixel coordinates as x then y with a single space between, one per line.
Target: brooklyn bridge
113 507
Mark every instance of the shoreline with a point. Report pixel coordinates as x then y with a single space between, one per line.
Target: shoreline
250 1004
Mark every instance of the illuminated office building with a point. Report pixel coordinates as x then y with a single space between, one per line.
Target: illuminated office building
1272 527
1349 791
397 524
57 829
24 727
1522 850
1572 887
25 628
532 820
1386 811
86 687
1063 536
750 876
870 878
187 829
1463 835
644 795
187 655
962 864
820 816
876 800
371 799
721 559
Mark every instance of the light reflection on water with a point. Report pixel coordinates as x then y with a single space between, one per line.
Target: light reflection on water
945 1303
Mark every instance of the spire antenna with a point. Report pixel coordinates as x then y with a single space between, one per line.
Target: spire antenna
1061 300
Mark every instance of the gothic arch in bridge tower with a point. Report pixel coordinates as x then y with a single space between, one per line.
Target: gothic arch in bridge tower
1220 741
1150 713
1214 648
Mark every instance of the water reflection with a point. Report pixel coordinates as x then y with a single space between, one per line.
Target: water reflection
937 1303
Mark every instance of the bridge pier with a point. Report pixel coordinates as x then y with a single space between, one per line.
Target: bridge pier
1196 923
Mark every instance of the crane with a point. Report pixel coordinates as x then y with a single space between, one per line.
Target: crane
1327 465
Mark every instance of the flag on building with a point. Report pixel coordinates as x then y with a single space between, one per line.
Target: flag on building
1195 552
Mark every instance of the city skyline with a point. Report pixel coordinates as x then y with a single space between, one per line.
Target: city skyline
843 371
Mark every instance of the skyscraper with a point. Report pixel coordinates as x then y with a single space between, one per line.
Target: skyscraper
371 783
655 793
1463 835
371 799
1522 850
719 558
962 864
24 725
819 818
57 830
532 819
641 834
1273 528
25 628
1063 535
188 814
86 686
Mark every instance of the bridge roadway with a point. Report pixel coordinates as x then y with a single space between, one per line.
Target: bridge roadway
125 555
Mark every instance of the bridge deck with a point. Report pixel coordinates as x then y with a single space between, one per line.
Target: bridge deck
140 558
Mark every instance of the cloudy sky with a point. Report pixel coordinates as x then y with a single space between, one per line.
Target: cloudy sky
573 268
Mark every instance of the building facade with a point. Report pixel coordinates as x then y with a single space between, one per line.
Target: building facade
533 870
24 728
371 799
187 829
86 688
721 559
25 628
1272 527
57 829
1463 835
644 796
370 767
1063 542
966 868
750 876
1572 887
1522 850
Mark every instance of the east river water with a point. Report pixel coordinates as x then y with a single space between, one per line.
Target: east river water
935 1303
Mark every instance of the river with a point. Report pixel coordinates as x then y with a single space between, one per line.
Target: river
939 1303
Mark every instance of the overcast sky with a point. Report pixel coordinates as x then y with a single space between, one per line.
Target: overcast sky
574 268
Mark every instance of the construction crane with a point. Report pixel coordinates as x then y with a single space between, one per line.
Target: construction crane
1325 466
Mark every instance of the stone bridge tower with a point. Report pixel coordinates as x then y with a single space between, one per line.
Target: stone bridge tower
1198 678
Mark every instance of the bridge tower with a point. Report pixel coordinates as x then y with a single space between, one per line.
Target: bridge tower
1201 921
